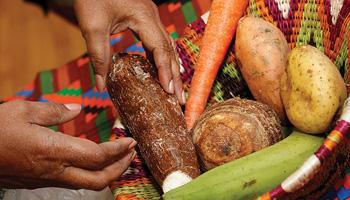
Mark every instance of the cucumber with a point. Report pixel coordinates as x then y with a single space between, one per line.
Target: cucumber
252 175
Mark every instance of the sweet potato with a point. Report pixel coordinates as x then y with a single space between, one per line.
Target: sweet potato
262 53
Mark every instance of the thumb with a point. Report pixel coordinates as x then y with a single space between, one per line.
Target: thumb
47 114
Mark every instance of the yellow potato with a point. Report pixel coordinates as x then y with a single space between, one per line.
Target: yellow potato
312 89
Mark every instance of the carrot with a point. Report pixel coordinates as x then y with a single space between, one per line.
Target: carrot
222 23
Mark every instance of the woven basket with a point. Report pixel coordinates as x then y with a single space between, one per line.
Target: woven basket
323 24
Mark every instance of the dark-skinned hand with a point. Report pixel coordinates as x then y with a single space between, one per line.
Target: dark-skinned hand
99 19
33 156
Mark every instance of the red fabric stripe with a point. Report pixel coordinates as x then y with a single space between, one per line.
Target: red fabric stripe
73 71
178 19
277 192
322 153
127 40
343 127
85 79
201 6
164 16
69 128
37 90
346 181
55 81
62 79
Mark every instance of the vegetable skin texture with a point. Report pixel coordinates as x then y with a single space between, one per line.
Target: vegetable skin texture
252 175
262 53
312 90
232 129
223 20
153 117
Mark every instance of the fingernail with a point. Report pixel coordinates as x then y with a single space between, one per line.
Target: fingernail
183 97
73 106
133 154
132 144
100 83
171 87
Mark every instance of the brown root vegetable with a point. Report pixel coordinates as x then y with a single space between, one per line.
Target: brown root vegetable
262 53
234 128
155 120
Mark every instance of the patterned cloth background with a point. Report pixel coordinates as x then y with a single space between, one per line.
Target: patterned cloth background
314 23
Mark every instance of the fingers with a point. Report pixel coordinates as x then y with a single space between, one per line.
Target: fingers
115 149
175 68
97 180
156 40
175 65
52 153
97 43
162 59
95 27
82 153
176 81
45 114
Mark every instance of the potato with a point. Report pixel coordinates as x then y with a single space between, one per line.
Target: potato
262 53
312 89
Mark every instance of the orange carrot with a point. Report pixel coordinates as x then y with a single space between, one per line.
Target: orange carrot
222 23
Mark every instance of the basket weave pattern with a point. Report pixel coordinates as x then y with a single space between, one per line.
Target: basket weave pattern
322 23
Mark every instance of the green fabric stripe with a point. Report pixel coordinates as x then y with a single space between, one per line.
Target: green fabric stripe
333 138
191 46
217 91
46 82
346 69
347 171
54 128
189 12
135 38
103 127
70 92
174 35
92 74
231 71
253 10
342 57
310 27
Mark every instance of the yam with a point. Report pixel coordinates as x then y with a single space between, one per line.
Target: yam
262 53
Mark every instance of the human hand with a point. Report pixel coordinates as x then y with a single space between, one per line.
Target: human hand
99 19
33 156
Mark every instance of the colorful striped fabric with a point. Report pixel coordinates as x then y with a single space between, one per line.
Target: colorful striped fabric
323 23
74 83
